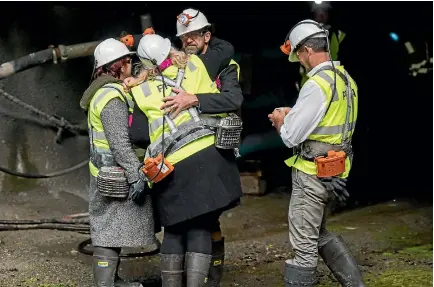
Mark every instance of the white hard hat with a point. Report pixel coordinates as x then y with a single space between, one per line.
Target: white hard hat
153 49
190 20
108 51
299 34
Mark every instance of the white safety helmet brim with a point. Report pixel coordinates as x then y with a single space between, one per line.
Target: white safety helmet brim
190 20
109 51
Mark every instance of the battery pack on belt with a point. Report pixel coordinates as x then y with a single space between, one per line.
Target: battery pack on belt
331 165
156 169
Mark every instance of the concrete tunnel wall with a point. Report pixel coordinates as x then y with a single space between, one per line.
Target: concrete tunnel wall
54 89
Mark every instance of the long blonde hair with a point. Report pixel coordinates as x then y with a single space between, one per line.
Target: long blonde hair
179 59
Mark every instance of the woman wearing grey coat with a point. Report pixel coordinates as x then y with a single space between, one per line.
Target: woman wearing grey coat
114 223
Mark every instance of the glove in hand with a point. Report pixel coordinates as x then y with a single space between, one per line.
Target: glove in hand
137 192
337 186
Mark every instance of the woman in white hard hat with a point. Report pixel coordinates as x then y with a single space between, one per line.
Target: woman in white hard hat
116 221
205 180
322 121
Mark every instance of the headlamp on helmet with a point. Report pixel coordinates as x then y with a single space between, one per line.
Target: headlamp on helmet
185 18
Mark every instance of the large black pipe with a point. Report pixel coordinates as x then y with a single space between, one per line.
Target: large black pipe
51 54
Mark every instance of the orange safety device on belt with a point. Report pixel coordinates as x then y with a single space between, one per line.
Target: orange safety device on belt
149 31
331 165
128 40
156 169
286 47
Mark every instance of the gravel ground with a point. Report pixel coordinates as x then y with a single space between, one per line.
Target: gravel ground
392 243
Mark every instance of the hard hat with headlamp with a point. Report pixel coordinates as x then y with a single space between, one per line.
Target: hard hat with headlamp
153 50
299 34
190 20
109 51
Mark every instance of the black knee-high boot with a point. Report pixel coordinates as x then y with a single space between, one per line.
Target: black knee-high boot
217 262
105 266
339 260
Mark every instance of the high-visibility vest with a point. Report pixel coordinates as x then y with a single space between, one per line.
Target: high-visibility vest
232 62
148 96
217 80
330 129
98 140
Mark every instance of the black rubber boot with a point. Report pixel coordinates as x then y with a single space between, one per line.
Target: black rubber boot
339 260
197 266
299 276
172 268
105 265
217 261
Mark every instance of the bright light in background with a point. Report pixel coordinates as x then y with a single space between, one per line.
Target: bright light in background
394 36
318 2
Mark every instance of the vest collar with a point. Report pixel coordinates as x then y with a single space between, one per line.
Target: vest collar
328 63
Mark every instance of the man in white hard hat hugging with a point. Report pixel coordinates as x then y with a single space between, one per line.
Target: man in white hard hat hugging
193 29
319 127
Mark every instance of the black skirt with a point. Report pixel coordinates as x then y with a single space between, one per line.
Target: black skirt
204 182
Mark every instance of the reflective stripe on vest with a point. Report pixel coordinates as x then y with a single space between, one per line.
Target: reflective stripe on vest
145 89
196 80
336 115
329 80
331 130
191 66
187 132
124 97
98 135
157 123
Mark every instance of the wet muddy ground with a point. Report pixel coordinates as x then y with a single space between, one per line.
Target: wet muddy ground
392 243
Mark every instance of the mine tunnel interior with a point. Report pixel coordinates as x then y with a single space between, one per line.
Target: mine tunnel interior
395 108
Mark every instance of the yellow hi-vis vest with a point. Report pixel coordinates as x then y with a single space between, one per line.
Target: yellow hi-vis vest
329 130
232 62
99 142
148 96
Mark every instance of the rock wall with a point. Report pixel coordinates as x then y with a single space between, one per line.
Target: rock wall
26 146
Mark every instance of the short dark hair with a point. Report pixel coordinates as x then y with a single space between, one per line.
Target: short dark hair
317 44
205 29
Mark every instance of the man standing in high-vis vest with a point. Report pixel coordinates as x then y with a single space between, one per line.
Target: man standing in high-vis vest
319 127
193 29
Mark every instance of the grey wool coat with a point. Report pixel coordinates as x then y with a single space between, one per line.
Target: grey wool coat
117 223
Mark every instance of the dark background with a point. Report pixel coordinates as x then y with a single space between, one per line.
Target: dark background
393 138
